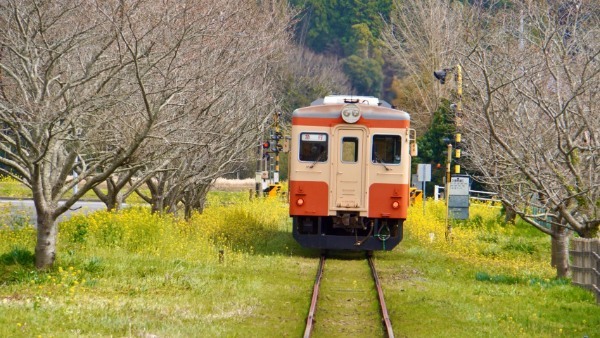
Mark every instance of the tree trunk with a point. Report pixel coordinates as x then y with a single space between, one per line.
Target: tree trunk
188 211
560 251
45 248
509 213
114 202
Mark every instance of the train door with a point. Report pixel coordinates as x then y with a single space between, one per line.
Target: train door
348 169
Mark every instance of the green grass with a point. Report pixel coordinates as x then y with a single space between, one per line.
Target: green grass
346 305
429 294
136 274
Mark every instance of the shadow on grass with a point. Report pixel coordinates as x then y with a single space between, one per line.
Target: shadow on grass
277 243
17 266
18 256
282 243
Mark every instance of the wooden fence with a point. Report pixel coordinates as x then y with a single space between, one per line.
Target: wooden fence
585 264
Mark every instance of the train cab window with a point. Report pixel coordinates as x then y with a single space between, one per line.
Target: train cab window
350 149
386 149
313 147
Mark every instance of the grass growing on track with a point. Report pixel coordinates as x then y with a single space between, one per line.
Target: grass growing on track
347 304
137 274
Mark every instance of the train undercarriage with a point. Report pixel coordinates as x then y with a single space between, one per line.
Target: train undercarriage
347 232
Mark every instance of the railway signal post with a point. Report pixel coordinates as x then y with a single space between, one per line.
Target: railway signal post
269 173
458 203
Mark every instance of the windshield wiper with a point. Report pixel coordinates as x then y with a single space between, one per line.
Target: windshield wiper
317 160
377 159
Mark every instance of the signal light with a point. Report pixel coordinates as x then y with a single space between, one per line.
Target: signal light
266 144
440 75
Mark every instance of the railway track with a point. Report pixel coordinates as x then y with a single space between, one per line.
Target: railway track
311 318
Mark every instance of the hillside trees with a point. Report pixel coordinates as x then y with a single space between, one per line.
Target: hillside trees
98 89
421 37
349 29
308 76
364 65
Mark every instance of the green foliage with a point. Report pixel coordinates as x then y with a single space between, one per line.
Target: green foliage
364 65
349 29
365 74
497 279
433 143
93 265
520 245
328 24
18 255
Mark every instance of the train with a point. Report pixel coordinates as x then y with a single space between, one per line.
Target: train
349 173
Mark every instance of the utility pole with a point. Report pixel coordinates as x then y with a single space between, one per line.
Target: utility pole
447 192
277 137
441 76
458 118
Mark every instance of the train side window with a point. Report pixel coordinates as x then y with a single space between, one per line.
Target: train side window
313 147
386 149
350 149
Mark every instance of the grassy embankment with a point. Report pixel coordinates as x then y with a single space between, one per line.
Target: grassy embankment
137 274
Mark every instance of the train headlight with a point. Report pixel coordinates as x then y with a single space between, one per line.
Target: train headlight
395 205
350 113
300 202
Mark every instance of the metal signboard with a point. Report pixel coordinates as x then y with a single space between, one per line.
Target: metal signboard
459 185
458 200
424 172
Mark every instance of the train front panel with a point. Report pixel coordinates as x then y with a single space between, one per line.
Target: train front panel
349 176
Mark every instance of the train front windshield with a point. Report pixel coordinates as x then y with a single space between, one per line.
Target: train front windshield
386 149
313 147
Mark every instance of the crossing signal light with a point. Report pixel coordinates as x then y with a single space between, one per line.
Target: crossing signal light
440 75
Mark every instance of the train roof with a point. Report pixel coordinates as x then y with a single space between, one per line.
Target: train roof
367 113
341 99
370 107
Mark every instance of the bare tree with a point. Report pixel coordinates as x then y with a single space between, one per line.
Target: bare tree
530 121
85 85
228 107
56 86
422 36
532 117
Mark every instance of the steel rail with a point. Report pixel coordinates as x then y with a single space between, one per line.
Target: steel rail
384 312
310 319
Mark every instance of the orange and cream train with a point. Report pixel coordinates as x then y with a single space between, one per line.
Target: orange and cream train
350 161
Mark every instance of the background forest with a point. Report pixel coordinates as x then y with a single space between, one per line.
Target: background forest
350 35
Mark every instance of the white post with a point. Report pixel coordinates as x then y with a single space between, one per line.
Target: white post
75 187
